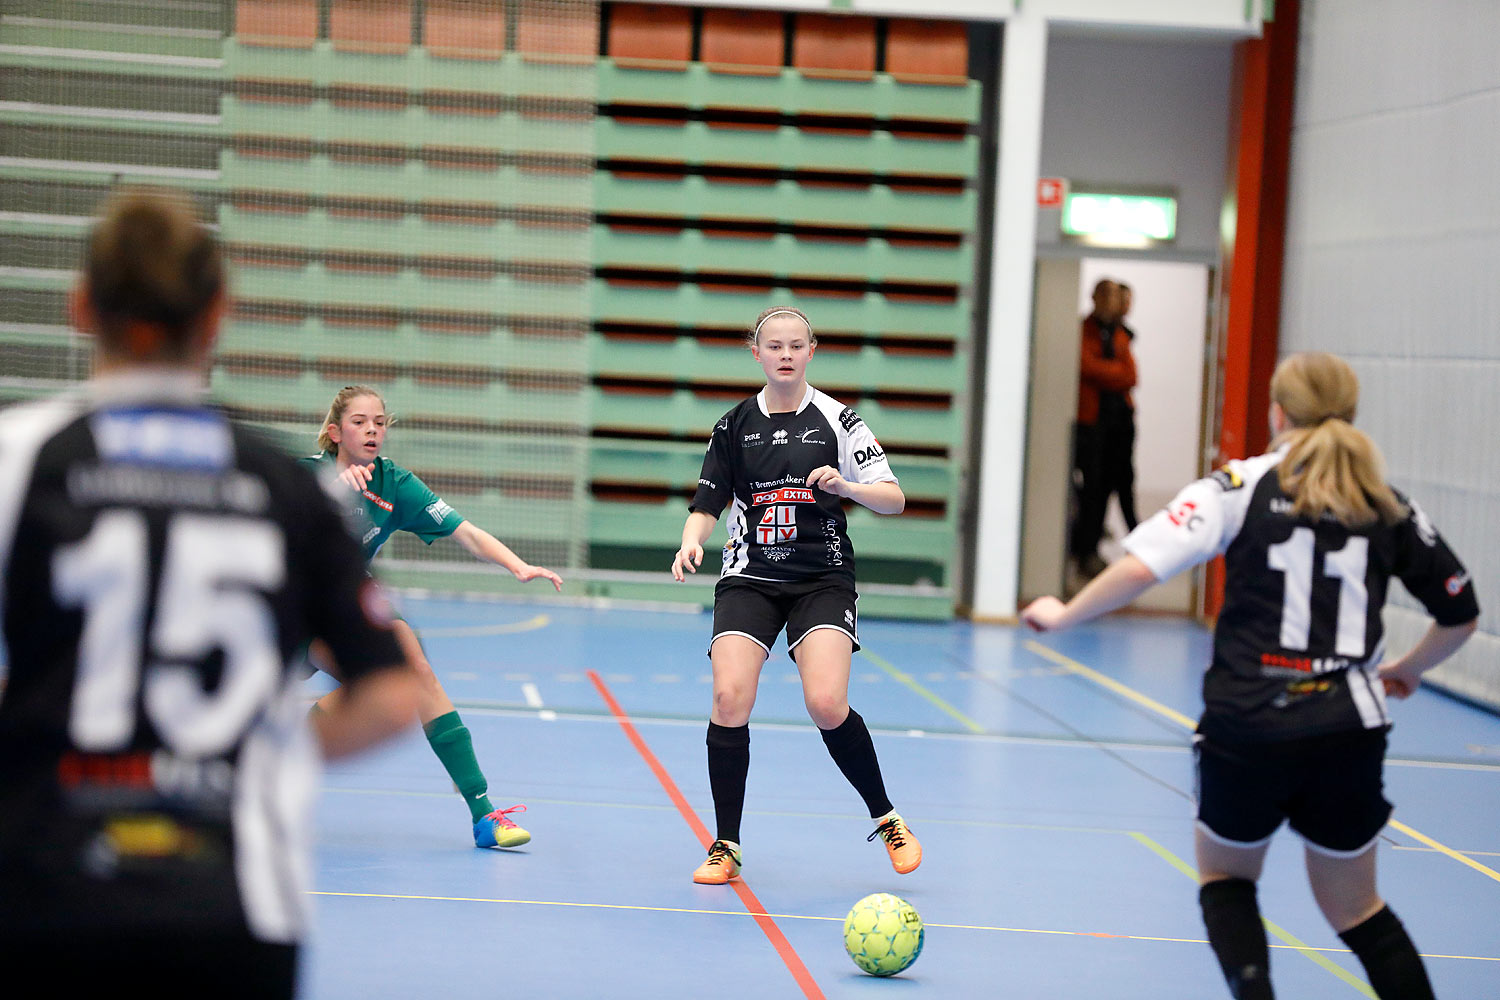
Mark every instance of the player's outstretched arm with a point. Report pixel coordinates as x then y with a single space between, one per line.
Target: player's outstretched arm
368 711
1403 675
695 531
483 545
1122 581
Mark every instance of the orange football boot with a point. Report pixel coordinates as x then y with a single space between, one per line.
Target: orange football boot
904 849
722 865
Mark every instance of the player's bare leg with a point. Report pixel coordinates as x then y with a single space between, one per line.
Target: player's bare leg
1346 892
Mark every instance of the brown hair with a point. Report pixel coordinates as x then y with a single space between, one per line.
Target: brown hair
753 333
336 410
151 263
1330 466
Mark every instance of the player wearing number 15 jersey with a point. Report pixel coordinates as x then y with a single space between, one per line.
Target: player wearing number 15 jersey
782 462
159 570
1294 720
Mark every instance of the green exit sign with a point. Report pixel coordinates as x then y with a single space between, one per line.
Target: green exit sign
1125 220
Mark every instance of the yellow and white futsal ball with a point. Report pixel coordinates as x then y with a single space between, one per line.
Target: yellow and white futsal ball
883 934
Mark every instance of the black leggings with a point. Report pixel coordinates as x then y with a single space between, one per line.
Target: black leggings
1104 457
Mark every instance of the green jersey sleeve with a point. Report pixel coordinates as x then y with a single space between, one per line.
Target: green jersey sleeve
421 511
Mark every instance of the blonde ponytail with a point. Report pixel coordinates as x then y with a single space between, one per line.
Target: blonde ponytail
336 413
1330 467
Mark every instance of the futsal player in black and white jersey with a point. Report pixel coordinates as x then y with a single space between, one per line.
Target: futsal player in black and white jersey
1295 717
160 569
782 462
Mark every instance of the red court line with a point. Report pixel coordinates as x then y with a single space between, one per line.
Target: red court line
762 918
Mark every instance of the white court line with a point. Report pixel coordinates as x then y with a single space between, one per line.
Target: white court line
534 700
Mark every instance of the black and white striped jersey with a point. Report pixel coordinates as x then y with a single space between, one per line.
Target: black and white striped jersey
1300 637
161 570
757 466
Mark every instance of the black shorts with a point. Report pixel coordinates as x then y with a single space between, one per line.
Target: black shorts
1328 788
758 609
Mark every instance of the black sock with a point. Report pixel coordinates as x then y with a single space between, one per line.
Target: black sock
1237 937
853 751
1389 957
728 765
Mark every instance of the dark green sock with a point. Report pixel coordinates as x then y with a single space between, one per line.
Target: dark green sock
451 742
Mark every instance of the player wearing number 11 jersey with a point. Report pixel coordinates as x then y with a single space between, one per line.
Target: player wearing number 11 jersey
159 570
1294 720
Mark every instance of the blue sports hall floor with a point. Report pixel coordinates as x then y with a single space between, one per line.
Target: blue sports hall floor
1049 779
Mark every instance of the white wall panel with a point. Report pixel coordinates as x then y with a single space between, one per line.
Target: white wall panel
1369 57
1393 248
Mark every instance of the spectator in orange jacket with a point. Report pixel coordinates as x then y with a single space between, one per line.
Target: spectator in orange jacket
1104 435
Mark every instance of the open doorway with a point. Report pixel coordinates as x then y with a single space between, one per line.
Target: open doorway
1168 314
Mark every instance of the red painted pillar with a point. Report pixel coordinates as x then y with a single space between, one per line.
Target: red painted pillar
1253 241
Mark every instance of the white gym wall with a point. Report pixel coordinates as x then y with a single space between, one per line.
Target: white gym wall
1393 247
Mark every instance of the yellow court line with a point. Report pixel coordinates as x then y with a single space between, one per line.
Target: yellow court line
1292 941
1178 717
508 628
911 682
1110 683
808 916
1445 849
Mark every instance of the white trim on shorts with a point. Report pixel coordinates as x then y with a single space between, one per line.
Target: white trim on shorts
837 628
1329 852
1241 844
732 631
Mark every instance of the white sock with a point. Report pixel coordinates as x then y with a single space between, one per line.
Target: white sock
893 814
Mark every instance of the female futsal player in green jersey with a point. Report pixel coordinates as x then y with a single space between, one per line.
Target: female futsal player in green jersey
392 499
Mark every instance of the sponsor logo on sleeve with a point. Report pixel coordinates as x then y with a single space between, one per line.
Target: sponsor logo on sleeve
849 419
707 482
1227 478
870 455
437 510
1456 583
1184 514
